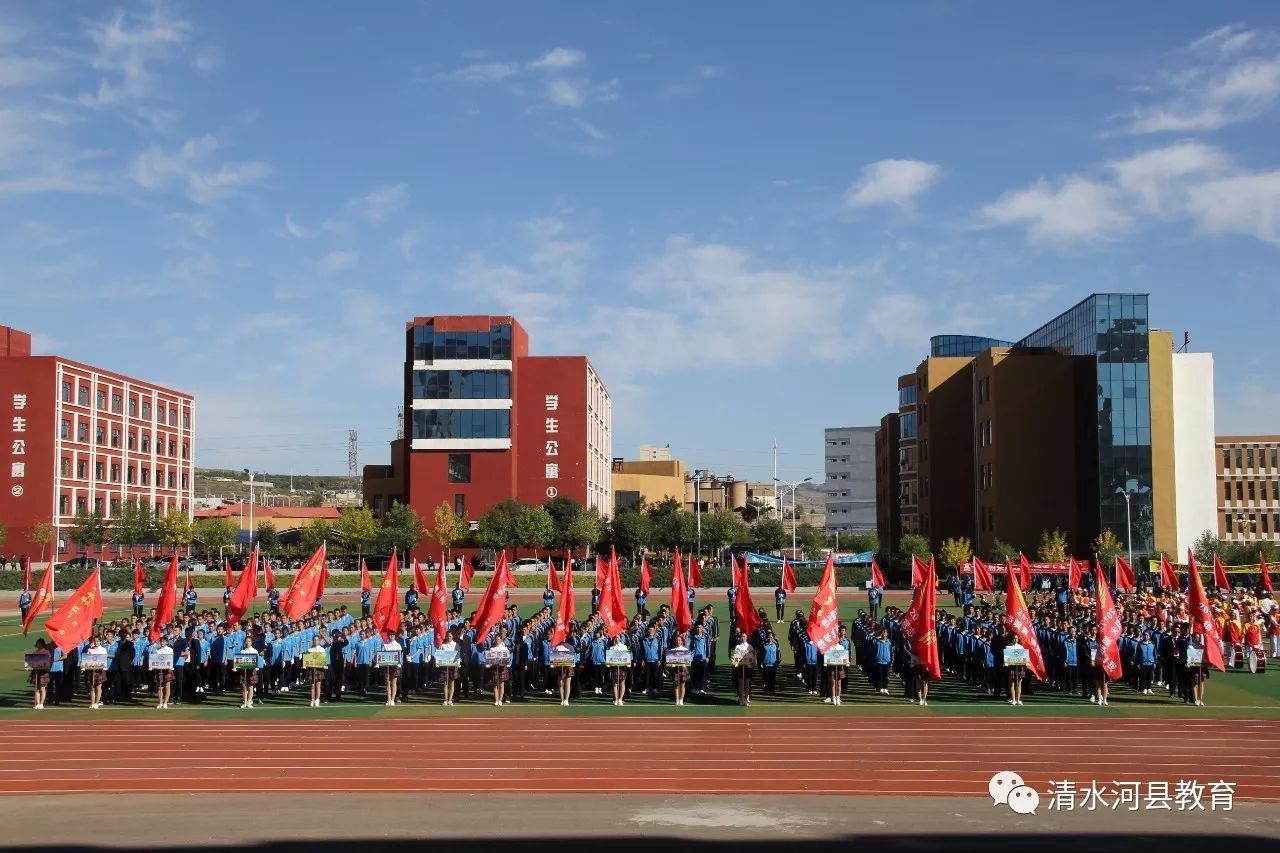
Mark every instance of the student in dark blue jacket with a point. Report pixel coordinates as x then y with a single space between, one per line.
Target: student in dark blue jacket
769 662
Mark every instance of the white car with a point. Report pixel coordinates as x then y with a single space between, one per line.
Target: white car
528 564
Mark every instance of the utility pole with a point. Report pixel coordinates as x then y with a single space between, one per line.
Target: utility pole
353 442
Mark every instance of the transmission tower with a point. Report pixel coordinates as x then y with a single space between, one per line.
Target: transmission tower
353 459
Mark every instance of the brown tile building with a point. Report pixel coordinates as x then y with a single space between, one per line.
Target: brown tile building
1248 470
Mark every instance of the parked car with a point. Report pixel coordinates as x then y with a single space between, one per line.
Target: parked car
528 564
192 566
81 563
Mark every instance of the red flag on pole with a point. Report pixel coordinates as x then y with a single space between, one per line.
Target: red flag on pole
747 618
246 589
679 597
139 577
226 572
1168 574
789 575
307 586
1202 621
268 575
823 626
438 610
468 572
493 603
1019 620
366 584
167 602
419 579
1109 627
1125 581
615 579
72 624
646 575
602 570
1024 571
42 600
1074 570
917 625
919 568
611 614
695 573
26 573
1220 574
877 576
1265 572
553 580
982 580
186 584
386 608
564 619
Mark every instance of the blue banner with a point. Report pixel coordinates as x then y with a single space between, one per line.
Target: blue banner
863 559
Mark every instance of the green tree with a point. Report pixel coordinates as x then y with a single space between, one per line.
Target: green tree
677 530
175 529
214 534
1107 545
658 513
88 529
1247 553
402 529
809 539
534 527
1053 546
41 534
316 498
449 527
1003 552
913 544
563 511
955 552
768 535
1207 544
632 531
134 524
314 533
357 528
587 529
720 529
268 537
497 528
863 541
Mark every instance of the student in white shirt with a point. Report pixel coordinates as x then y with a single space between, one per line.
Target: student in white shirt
392 673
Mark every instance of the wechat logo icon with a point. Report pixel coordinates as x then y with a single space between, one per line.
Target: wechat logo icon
1008 789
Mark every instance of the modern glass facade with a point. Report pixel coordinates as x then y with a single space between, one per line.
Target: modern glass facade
462 423
965 346
430 345
1108 332
462 385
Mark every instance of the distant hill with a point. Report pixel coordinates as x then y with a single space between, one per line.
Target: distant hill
225 483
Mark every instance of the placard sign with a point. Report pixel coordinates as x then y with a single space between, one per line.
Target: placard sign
315 660
245 660
160 659
563 658
836 656
1195 656
744 657
91 661
679 657
383 659
617 657
447 658
1016 655
38 661
497 656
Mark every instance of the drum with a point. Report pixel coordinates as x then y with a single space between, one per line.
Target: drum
1237 656
1254 660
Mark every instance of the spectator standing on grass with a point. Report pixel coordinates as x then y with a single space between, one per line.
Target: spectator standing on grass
780 601
874 596
24 603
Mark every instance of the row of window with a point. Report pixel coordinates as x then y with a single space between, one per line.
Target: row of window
1252 523
907 425
111 473
462 385
430 345
1243 489
82 393
837 442
101 437
838 460
461 423
1246 458
106 508
907 396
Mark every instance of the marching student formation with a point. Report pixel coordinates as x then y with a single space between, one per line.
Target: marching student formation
1073 639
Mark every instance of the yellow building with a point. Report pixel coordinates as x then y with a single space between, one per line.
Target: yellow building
651 481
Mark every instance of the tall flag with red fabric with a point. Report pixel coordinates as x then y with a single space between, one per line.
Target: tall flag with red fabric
789 575
553 580
41 601
1265 573
468 572
186 584
386 607
226 572
982 579
1220 574
419 579
438 610
1024 571
877 576
695 573
615 580
918 627
366 584
919 568
564 619
307 586
72 624
1125 580
679 597
602 569
493 604
823 626
269 575
611 612
26 573
1074 570
1019 620
1109 627
748 619
646 575
1202 621
246 589
168 600
1168 574
139 578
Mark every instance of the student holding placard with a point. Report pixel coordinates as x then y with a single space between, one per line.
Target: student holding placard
679 657
1100 685
497 660
447 664
1015 661
248 661
315 661
618 660
743 658
835 662
97 677
1196 669
160 653
39 663
390 646
564 658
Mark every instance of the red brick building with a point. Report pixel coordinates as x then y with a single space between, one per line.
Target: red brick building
77 438
487 422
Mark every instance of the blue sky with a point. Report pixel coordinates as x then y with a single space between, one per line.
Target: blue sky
750 216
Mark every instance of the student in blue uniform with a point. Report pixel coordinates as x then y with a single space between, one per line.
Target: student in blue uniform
411 598
458 594
811 661
24 603
884 659
769 662
780 601
138 604
226 598
599 645
642 599
1147 663
651 647
273 600
874 596
698 646
190 600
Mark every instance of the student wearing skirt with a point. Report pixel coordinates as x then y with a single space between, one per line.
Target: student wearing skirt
316 675
40 679
249 677
680 676
566 673
98 677
619 673
164 677
500 674
742 671
391 673
449 674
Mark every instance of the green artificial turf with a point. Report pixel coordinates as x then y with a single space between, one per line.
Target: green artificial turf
1230 695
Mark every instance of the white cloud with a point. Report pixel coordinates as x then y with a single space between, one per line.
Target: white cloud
483 72
558 59
543 77
1241 204
383 203
1079 209
895 182
339 261
18 71
1226 40
294 229
590 130
1157 180
207 60
565 93
709 72
188 166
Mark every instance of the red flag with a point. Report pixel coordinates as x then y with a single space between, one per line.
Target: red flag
602 569
468 572
1074 571
246 589
615 579
553 580
226 572
1024 571
1109 627
917 625
139 577
270 575
72 624
42 600
919 568
366 585
438 610
26 573
695 573
167 602
1019 620
1202 621
564 619
982 580
186 584
493 603
823 626
1220 574
748 619
1168 574
307 586
877 576
386 608
1125 581
789 575
1266 574
646 575
419 579
679 597
611 613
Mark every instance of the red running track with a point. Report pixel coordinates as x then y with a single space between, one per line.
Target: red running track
941 756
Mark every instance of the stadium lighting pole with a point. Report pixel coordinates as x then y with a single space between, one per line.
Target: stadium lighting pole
792 487
697 505
1128 522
